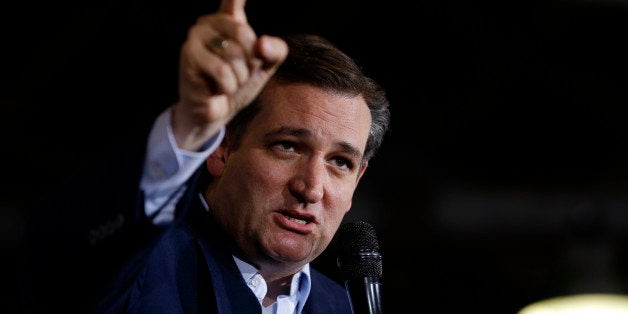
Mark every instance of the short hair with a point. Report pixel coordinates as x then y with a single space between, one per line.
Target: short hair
314 60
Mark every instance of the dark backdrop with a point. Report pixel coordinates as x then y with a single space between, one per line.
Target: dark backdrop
502 180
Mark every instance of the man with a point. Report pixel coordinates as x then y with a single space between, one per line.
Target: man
245 181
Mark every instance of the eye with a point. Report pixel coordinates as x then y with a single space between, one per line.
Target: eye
284 146
343 163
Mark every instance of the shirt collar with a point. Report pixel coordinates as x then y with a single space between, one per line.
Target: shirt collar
299 287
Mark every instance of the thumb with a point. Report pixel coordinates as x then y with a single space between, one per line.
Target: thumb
273 50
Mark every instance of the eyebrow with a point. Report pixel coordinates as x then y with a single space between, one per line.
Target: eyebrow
300 132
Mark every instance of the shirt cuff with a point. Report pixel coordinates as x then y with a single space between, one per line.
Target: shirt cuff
166 167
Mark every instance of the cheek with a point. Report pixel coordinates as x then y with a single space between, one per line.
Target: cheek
336 207
342 195
269 171
261 176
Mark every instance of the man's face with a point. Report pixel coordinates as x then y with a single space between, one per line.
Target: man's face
284 191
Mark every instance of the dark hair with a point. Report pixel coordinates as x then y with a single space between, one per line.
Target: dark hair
316 61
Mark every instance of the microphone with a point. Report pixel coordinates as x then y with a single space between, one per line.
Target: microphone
360 264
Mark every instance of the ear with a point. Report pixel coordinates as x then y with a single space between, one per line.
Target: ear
216 161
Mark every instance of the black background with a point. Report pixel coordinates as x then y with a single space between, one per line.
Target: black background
502 180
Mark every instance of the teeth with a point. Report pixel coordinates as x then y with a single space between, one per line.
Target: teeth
301 221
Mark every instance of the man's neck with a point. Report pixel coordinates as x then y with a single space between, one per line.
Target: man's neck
276 288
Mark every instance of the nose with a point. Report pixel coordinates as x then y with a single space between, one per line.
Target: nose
308 181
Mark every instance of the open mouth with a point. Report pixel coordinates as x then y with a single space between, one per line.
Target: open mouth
294 216
299 221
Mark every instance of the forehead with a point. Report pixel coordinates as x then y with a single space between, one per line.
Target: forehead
323 113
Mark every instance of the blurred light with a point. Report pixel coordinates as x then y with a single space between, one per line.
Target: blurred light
580 304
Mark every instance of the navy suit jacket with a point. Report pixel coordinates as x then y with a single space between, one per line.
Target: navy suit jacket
190 269
91 249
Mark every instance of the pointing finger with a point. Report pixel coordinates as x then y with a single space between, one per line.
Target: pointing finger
234 8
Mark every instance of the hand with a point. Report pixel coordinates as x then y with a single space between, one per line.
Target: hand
223 67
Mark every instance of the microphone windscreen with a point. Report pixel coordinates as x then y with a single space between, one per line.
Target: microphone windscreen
360 256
